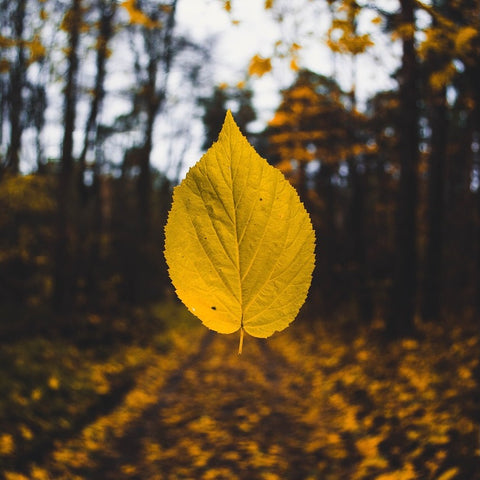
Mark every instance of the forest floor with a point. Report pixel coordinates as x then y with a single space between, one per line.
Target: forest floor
313 402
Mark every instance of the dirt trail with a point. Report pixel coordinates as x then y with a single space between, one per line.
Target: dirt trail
299 406
218 415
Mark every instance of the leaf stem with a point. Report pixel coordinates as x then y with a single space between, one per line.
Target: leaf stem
240 346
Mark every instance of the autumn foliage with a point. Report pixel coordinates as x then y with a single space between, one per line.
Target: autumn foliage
105 375
308 403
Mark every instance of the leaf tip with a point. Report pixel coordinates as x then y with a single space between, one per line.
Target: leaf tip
229 120
230 128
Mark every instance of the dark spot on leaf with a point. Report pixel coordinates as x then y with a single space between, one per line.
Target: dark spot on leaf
261 198
214 308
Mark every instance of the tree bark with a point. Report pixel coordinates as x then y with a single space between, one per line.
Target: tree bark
89 217
431 300
63 282
404 285
363 291
477 289
155 98
107 8
155 95
17 82
361 277
476 165
326 281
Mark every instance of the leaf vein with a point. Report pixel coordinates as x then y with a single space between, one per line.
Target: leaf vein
259 243
225 249
218 272
280 292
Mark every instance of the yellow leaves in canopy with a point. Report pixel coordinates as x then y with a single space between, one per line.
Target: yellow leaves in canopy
467 44
6 42
294 64
239 244
443 77
465 37
280 119
343 38
259 66
304 92
137 17
37 49
436 40
350 44
4 65
403 32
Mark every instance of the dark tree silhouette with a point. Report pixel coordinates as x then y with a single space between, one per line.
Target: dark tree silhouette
404 287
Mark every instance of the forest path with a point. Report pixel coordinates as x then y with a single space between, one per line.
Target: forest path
220 415
216 415
305 404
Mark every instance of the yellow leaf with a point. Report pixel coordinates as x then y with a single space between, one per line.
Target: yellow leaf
38 473
37 50
259 66
15 476
137 17
6 42
26 433
239 244
7 445
449 474
53 383
465 38
294 64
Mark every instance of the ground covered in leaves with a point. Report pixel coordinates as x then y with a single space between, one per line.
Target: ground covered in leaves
314 402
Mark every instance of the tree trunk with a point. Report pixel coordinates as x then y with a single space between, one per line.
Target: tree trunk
476 165
63 282
155 96
89 217
17 82
361 277
107 8
325 281
404 285
431 300
363 292
477 289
